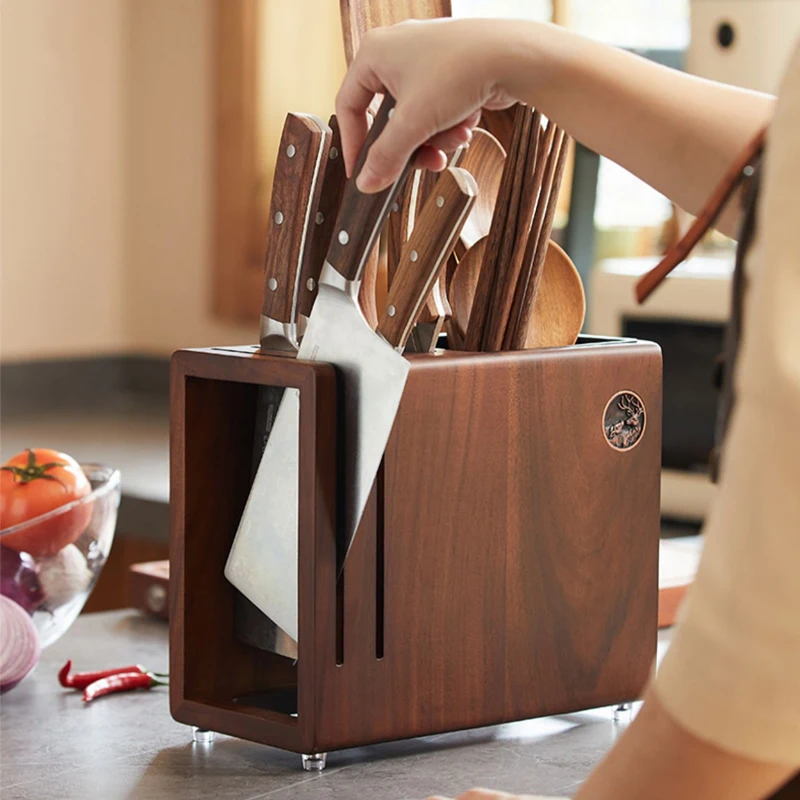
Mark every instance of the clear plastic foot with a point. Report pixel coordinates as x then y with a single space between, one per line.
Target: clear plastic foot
202 736
622 713
315 762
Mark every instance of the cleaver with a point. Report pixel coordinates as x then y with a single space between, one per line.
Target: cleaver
263 559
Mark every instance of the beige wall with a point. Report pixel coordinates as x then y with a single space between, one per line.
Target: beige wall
106 169
62 187
169 234
107 125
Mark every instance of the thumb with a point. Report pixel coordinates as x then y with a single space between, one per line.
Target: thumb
392 150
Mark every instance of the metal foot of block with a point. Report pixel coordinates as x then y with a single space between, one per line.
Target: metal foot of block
315 762
622 713
202 736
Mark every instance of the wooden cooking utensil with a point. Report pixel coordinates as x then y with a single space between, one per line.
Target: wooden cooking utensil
462 291
560 305
558 310
518 226
527 286
360 16
484 158
500 124
486 279
367 293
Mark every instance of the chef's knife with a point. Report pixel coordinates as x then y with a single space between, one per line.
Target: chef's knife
323 218
297 184
263 559
294 190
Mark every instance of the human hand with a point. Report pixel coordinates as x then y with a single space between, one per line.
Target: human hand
441 73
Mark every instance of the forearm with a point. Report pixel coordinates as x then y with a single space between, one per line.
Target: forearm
676 132
658 759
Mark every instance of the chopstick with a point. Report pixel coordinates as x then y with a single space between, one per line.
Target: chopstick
518 224
528 285
488 274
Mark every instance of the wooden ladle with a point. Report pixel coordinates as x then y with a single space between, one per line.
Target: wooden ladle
558 310
484 159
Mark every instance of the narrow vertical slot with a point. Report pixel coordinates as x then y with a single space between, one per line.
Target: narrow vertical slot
340 620
379 565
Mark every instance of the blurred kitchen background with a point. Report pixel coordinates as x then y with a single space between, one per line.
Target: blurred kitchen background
137 143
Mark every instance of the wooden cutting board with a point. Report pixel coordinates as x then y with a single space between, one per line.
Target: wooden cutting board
360 16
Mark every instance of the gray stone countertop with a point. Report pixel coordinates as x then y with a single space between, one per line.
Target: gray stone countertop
128 746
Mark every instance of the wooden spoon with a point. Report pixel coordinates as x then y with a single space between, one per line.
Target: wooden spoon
484 158
559 308
560 305
462 290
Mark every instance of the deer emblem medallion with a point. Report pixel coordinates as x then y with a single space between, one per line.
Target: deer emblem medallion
624 420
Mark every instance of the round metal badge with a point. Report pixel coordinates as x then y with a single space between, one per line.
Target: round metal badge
624 420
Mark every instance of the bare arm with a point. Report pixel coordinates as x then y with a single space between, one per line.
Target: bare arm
658 759
674 131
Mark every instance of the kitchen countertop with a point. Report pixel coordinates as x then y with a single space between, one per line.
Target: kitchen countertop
128 746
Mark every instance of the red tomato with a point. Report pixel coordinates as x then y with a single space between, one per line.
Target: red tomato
31 484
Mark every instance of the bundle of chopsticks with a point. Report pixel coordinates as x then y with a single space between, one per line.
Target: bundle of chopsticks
519 235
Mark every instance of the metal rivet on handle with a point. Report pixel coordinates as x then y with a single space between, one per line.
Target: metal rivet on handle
320 218
344 237
333 153
440 201
278 217
414 255
290 151
311 284
273 284
391 311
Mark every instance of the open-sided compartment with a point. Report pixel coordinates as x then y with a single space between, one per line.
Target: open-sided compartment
217 680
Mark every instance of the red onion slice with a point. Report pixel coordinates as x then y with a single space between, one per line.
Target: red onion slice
19 644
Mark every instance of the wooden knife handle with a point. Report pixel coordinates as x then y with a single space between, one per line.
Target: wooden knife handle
361 216
293 186
426 252
323 218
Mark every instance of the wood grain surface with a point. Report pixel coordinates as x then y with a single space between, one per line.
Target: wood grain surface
506 566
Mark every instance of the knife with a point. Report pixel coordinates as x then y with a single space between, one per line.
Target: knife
294 189
438 226
425 334
263 560
299 166
322 219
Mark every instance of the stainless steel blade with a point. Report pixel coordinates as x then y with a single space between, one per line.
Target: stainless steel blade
263 560
262 548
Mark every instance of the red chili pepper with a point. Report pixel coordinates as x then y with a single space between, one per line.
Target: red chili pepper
80 680
121 682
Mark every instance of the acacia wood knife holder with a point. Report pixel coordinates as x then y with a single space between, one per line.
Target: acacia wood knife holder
505 568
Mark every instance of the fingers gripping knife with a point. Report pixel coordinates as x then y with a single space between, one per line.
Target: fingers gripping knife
263 560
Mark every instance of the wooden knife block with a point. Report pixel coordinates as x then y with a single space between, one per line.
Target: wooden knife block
505 568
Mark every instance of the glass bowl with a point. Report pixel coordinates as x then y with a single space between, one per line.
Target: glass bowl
54 588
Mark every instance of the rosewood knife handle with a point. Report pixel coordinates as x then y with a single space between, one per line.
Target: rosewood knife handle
361 216
323 218
426 252
293 186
